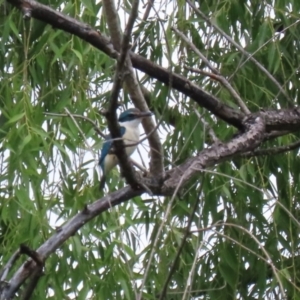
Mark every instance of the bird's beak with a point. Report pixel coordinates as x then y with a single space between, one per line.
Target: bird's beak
145 114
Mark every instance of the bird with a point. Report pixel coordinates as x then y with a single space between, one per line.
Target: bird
129 121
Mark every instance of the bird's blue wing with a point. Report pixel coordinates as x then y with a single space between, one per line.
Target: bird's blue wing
107 145
105 150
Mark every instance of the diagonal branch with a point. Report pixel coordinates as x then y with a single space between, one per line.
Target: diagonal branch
132 85
241 49
103 43
174 180
211 103
4 272
65 232
221 78
113 125
216 154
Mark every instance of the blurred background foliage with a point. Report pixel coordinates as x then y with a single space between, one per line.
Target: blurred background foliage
244 240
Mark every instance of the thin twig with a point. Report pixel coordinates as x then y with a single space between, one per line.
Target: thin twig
192 273
142 25
268 260
208 74
80 130
4 272
155 242
261 47
89 148
148 9
183 241
210 130
241 49
222 79
96 128
272 151
99 40
144 170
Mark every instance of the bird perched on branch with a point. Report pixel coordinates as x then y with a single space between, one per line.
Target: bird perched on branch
129 122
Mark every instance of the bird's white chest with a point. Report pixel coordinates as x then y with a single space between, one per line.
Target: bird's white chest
131 136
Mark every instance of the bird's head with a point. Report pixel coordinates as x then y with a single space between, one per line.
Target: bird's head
133 116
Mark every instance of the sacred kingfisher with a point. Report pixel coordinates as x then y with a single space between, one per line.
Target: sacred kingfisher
129 122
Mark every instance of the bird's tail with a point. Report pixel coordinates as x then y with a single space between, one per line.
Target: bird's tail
102 182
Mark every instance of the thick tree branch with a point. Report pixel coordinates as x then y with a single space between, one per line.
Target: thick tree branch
65 232
183 85
58 20
285 120
216 154
254 129
281 120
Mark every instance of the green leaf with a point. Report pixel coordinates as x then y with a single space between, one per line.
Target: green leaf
16 118
78 54
25 141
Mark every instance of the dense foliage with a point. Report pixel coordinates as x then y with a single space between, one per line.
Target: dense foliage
232 231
